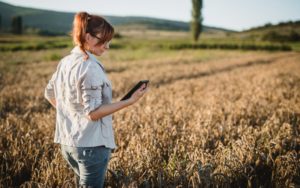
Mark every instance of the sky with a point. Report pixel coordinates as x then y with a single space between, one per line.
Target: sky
230 14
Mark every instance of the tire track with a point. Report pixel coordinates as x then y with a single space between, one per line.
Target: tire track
222 70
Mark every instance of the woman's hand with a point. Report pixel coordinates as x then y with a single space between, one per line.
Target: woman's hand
138 94
52 102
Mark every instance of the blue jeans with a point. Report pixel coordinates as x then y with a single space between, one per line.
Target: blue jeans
89 163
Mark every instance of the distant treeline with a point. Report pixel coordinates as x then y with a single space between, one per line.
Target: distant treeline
267 47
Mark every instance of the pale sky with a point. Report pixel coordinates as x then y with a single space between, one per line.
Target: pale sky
230 14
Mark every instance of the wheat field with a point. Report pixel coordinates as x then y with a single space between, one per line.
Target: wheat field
212 118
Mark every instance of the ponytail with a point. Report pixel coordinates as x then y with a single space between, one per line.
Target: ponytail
79 30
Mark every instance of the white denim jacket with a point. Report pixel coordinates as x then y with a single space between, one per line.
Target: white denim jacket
80 86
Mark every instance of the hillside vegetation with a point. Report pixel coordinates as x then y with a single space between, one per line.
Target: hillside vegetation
282 32
61 22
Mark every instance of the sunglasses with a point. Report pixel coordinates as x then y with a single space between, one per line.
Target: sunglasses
106 43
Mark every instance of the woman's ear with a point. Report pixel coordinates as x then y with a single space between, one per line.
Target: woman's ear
88 37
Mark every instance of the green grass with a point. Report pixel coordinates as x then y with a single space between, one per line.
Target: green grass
33 43
140 44
295 46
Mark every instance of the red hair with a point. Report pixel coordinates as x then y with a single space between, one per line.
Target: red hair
85 23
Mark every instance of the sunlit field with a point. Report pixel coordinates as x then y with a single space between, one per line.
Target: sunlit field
212 118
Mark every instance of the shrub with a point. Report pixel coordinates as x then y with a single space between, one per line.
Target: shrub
274 36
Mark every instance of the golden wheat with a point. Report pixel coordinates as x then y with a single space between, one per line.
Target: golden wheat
211 118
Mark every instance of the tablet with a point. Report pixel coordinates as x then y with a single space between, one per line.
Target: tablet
136 87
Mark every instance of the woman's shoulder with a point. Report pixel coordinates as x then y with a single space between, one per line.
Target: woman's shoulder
89 68
80 60
91 65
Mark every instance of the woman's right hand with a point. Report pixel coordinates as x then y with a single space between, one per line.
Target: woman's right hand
138 94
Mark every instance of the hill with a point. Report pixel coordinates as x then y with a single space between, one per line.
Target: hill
61 22
281 27
282 32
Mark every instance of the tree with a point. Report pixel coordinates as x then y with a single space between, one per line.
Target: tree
0 22
196 23
17 25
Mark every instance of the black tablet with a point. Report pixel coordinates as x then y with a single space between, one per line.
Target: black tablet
136 87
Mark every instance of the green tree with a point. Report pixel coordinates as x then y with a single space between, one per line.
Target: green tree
196 23
0 22
17 25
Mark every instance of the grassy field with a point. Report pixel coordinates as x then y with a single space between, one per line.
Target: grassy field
214 118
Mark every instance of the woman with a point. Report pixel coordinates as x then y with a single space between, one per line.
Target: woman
81 93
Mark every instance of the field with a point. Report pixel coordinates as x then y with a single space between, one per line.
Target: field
212 118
